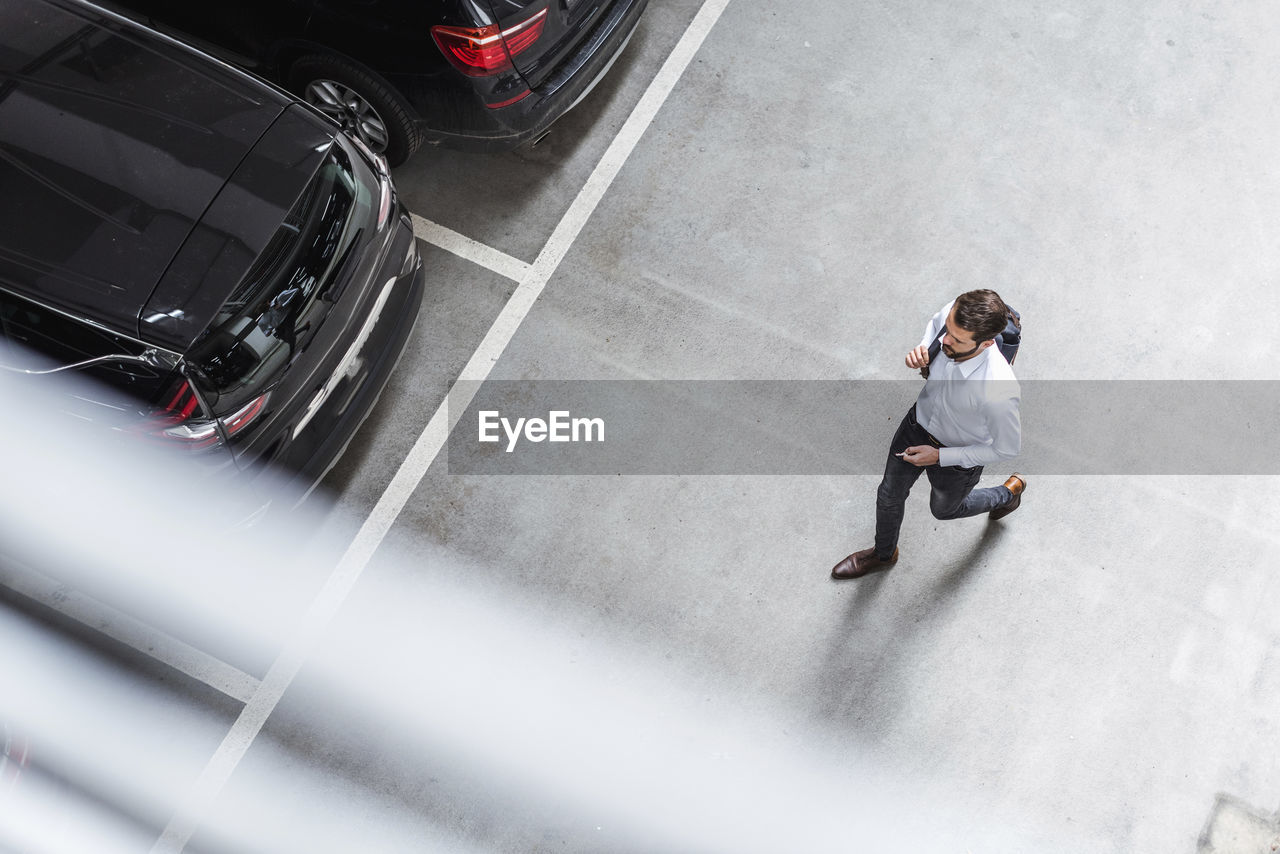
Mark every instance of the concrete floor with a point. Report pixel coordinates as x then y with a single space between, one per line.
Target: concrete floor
1098 672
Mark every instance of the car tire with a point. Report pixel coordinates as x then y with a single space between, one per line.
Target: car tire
362 103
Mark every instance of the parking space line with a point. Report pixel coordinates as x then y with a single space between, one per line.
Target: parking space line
472 250
427 448
136 635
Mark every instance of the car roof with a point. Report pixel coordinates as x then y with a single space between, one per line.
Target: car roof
113 143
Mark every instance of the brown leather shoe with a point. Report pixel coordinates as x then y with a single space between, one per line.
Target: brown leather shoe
1016 485
862 563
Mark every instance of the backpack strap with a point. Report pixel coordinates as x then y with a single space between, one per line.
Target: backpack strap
934 349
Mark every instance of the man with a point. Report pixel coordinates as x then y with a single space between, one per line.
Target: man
966 417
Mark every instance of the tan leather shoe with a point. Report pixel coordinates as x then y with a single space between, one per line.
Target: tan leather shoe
862 563
1016 485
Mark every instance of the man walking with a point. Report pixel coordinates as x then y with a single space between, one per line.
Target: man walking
966 417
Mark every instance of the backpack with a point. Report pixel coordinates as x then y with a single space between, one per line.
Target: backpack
1007 341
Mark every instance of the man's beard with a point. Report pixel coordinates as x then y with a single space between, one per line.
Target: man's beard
952 354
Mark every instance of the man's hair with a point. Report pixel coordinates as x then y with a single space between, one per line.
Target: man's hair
982 314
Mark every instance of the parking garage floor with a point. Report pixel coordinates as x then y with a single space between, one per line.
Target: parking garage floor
765 193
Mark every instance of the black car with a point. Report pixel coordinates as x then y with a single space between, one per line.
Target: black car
235 274
398 73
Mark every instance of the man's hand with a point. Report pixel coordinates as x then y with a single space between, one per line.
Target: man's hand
920 455
918 358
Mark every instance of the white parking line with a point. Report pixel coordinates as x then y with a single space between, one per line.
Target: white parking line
134 634
427 448
472 250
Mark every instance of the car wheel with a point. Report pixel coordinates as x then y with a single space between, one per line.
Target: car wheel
361 103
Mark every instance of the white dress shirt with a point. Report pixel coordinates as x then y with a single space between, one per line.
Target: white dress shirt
970 406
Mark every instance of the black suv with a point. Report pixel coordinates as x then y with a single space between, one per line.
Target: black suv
397 73
236 274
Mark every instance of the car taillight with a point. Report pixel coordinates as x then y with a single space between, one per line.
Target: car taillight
175 422
242 417
485 51
194 434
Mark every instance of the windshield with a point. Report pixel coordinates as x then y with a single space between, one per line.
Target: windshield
283 298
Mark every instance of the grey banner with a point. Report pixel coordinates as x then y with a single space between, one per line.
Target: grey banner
825 427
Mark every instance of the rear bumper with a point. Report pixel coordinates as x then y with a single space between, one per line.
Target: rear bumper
507 127
362 404
310 450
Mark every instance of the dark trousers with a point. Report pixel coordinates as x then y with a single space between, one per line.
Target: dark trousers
952 494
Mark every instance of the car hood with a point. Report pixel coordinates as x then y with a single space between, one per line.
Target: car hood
113 144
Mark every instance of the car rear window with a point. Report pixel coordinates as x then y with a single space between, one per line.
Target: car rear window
286 294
